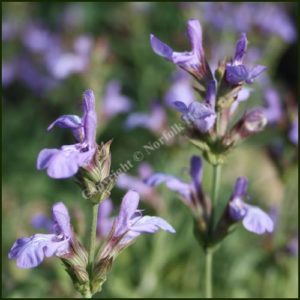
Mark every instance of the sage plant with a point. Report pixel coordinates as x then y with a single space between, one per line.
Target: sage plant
209 128
89 163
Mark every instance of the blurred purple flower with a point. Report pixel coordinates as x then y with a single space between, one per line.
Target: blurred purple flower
180 90
253 218
293 134
293 245
40 221
236 71
29 252
187 191
147 193
130 223
272 109
191 61
113 102
37 39
200 115
65 162
105 221
263 18
8 73
155 121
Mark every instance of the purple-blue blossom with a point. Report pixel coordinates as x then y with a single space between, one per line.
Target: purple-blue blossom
130 223
200 115
187 191
136 183
272 109
104 221
155 121
113 102
253 218
191 61
29 252
65 162
236 71
180 90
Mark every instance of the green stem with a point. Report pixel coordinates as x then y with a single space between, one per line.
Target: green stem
93 237
214 193
208 273
209 252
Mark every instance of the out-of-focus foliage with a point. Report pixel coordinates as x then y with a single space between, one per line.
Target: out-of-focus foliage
53 52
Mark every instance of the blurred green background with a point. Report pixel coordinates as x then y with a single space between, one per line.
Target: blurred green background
160 265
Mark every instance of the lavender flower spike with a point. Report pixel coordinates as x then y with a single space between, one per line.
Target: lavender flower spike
254 219
192 61
236 71
29 252
65 162
130 223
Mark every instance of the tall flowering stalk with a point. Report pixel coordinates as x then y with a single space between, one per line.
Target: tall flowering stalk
89 163
209 129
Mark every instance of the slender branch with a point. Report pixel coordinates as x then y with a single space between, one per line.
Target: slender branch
214 193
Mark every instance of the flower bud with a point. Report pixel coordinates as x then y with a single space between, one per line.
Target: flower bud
252 122
99 274
93 178
76 261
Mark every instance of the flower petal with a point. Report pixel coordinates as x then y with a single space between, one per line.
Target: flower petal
241 187
40 221
173 183
66 121
62 218
240 49
236 74
194 31
89 118
128 207
149 224
29 252
257 221
161 48
196 171
180 106
44 158
201 115
255 72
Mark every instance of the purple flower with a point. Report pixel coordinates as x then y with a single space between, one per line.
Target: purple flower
293 245
130 223
181 90
105 221
201 115
113 102
273 109
136 183
187 191
243 95
293 134
29 252
191 61
65 162
236 71
40 221
253 218
155 121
